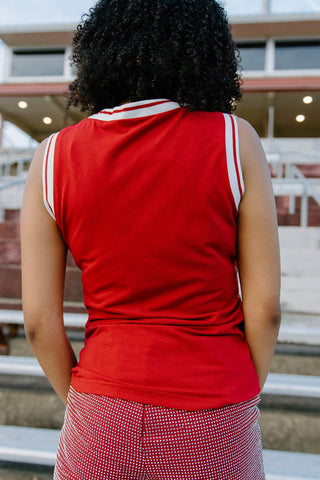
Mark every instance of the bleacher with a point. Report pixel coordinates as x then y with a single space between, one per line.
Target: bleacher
27 445
29 439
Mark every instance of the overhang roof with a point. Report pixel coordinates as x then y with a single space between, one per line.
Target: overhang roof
44 100
35 35
275 26
48 99
243 27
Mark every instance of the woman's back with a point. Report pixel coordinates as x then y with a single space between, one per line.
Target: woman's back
158 260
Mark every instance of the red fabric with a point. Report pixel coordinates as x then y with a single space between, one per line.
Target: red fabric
107 438
146 208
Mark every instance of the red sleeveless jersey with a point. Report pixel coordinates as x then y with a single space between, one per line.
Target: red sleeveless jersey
146 196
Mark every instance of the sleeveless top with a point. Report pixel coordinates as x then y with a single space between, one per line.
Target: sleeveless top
146 196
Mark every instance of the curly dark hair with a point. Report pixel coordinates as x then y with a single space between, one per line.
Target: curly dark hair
131 50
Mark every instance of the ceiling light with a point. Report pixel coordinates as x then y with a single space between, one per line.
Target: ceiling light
307 99
300 118
22 104
47 120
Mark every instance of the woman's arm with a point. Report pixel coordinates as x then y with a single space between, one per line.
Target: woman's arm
258 253
43 272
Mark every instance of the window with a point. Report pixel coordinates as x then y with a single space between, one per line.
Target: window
34 63
253 55
297 55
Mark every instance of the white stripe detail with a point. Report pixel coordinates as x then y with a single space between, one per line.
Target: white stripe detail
238 154
47 175
124 111
140 103
232 173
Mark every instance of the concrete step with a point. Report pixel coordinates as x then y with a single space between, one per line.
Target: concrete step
40 446
300 335
28 445
34 404
289 385
291 466
17 471
306 386
292 425
30 405
306 337
305 362
302 361
295 328
290 430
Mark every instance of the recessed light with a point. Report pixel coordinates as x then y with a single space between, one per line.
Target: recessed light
22 104
300 118
47 120
307 99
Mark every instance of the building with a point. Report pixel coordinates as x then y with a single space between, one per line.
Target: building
281 84
37 74
281 76
281 61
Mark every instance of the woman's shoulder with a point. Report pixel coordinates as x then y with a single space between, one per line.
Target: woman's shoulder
246 130
251 151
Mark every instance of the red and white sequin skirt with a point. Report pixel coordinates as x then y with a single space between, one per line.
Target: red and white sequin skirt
105 438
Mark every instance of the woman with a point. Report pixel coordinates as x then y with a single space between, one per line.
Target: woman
162 197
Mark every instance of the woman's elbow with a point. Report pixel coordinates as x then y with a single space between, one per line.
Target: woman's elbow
38 324
275 316
32 326
267 311
272 309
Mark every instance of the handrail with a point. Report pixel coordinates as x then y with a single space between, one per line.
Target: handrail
292 157
298 174
286 170
288 175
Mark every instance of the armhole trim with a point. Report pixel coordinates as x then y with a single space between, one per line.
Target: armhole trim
48 176
233 158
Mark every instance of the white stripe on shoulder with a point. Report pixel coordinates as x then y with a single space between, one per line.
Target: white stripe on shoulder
48 176
238 154
233 158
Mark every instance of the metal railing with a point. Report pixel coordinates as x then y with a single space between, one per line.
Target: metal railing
290 181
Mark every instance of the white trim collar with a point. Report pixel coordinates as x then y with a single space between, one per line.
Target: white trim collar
143 108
